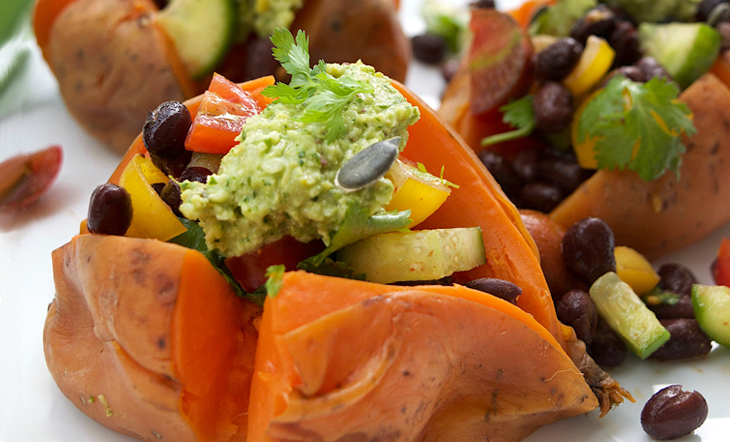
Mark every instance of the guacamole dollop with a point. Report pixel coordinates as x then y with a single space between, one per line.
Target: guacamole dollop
279 180
263 16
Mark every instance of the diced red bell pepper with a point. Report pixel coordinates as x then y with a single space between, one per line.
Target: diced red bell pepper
721 265
250 269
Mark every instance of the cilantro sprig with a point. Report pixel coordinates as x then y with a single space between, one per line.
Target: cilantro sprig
637 126
518 114
324 96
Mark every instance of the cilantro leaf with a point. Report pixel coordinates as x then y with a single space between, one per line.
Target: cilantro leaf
359 224
330 267
324 96
274 281
637 126
518 114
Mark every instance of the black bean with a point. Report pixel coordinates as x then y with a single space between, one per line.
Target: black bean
166 128
482 4
588 249
260 60
449 68
525 164
625 42
171 196
158 187
497 287
429 48
174 167
557 60
687 341
599 21
682 309
672 413
576 309
199 174
724 30
676 278
503 172
606 348
651 68
553 106
566 174
110 210
541 196
705 8
631 72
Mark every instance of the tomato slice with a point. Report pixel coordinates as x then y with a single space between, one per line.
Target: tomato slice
224 109
499 60
250 269
721 265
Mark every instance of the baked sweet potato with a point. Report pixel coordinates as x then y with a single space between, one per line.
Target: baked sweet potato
377 362
147 338
114 63
157 337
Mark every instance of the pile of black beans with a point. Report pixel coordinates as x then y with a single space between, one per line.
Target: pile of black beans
588 252
163 134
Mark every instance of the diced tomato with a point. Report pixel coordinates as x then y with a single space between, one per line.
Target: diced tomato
721 266
219 122
250 269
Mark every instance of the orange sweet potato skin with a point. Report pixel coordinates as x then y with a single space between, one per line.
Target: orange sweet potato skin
112 347
414 364
665 215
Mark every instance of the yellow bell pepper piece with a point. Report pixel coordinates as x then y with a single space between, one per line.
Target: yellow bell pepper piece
151 217
418 191
635 270
151 173
592 66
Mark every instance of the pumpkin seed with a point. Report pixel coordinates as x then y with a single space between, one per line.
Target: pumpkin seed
719 13
368 166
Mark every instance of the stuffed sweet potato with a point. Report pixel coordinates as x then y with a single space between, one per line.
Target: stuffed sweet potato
115 62
650 210
335 357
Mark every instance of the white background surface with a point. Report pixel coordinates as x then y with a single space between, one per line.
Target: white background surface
33 409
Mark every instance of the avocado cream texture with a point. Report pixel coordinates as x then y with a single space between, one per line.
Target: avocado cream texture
280 179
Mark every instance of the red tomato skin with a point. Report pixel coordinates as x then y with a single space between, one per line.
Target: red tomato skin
721 266
220 120
250 269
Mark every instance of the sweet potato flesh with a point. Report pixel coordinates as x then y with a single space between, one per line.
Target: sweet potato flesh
368 361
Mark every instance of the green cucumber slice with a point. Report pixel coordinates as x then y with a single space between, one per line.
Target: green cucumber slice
415 256
202 31
627 315
711 304
686 50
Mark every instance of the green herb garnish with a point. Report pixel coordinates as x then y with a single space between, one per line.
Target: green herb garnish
518 114
275 275
323 95
637 126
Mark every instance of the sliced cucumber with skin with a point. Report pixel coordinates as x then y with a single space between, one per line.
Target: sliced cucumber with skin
711 304
415 256
627 315
686 50
202 31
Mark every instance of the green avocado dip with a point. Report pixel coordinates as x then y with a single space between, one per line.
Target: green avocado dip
658 10
279 180
263 16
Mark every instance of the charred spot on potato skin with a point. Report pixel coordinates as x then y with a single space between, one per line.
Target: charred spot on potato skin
161 343
714 149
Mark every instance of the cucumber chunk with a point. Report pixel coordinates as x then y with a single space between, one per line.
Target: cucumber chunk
711 304
686 50
415 256
202 31
627 315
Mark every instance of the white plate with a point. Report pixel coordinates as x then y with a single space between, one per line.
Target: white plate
32 409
